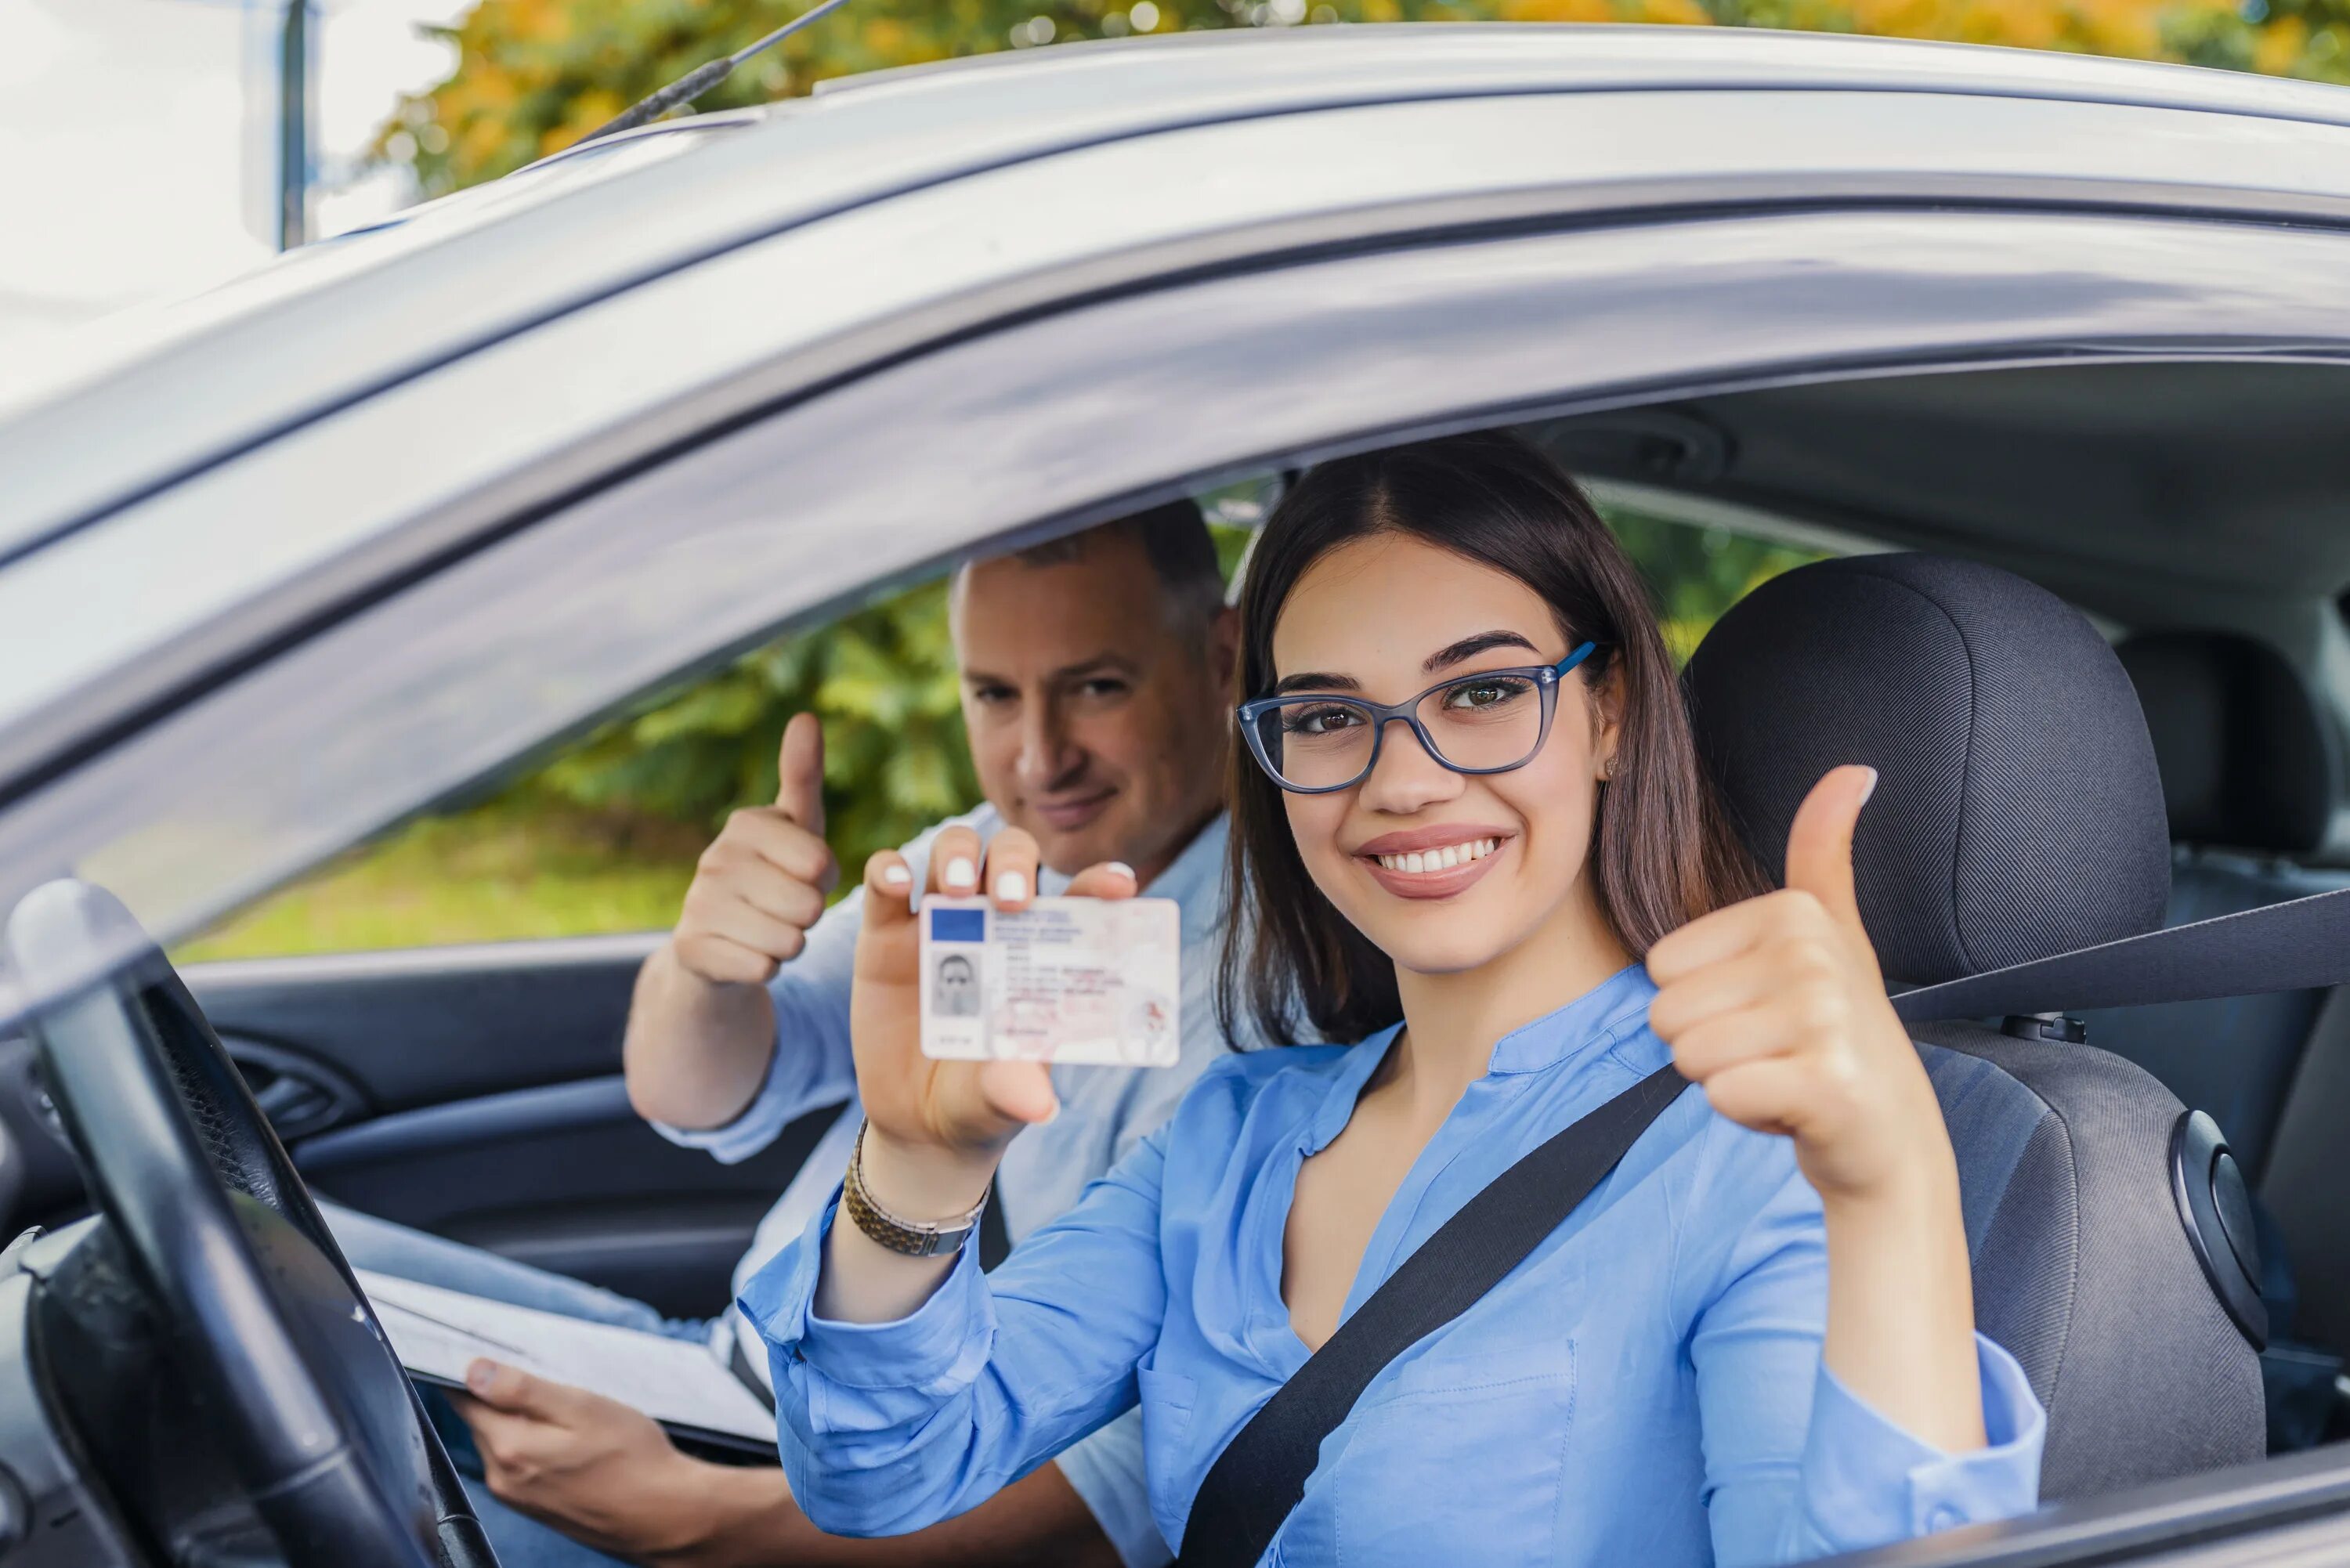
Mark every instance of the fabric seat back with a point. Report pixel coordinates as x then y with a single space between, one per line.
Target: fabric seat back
2249 775
2019 814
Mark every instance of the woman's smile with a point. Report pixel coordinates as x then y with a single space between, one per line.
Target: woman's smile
1437 862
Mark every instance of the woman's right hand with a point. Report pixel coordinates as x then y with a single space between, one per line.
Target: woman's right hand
934 1130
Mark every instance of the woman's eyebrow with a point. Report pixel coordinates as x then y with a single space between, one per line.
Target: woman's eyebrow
1315 681
1469 647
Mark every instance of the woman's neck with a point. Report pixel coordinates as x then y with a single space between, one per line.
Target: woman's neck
1453 1021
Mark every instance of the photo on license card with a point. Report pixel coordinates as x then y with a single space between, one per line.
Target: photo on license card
1071 981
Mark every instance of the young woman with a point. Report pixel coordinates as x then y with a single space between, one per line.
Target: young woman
1470 833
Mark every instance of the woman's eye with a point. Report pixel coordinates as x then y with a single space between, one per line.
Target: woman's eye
1318 720
1487 694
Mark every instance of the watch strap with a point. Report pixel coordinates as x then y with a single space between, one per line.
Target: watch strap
914 1238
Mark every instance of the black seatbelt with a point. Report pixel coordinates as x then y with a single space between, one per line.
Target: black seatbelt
2298 945
1260 1476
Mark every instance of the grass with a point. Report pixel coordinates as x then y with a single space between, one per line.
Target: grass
502 872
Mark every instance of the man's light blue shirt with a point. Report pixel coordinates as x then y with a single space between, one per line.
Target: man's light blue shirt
1104 1114
1647 1388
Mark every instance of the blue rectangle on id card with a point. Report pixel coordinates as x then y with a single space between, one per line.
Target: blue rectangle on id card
957 924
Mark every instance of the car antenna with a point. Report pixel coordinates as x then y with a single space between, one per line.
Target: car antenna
700 80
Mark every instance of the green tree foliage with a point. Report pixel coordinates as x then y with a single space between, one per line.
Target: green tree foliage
1698 573
882 679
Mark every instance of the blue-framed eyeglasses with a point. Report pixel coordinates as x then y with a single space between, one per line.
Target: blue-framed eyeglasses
1489 722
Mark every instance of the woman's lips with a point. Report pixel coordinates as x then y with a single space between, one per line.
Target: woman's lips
1391 868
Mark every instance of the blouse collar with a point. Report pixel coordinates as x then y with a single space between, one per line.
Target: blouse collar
1584 1027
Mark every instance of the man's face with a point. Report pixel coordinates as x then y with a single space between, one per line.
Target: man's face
1096 720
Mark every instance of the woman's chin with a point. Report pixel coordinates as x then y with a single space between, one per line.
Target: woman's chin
1436 952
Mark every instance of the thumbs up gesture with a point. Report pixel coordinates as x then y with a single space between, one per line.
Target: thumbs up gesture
1776 1007
762 882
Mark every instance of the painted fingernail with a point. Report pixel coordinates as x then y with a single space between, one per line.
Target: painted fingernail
1121 867
961 873
1011 887
1869 788
482 1376
896 875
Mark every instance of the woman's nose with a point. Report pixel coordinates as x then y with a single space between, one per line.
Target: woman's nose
1404 778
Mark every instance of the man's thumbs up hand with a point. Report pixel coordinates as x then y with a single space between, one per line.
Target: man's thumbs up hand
1777 1007
799 773
762 882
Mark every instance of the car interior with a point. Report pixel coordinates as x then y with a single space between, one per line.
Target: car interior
1984 544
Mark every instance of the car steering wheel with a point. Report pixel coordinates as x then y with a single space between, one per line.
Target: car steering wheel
319 1423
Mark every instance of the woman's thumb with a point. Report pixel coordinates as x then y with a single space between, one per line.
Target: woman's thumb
1819 841
1021 1091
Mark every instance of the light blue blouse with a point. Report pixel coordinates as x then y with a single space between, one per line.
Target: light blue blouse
1647 1388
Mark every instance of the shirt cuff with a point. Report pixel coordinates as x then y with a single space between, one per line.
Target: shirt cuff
1107 1473
935 1351
760 1123
1867 1482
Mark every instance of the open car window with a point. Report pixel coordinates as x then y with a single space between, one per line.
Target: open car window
603 836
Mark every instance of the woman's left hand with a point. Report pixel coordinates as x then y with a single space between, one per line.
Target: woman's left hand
1777 1007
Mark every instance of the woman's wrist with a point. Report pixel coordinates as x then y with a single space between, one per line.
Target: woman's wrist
1920 1184
924 1183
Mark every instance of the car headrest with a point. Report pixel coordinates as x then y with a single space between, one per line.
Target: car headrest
2017 811
2241 741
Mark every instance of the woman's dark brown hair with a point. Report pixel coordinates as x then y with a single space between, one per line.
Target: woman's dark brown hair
1663 852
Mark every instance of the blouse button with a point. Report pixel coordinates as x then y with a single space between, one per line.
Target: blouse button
1944 1517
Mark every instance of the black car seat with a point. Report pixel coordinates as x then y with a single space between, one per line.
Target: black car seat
2250 770
2019 814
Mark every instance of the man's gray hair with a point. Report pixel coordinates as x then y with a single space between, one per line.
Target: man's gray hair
1175 539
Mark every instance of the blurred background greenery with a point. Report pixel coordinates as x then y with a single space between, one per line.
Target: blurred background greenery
604 837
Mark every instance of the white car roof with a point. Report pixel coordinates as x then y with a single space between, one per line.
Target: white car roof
335 322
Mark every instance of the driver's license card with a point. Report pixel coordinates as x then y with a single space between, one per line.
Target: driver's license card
1065 979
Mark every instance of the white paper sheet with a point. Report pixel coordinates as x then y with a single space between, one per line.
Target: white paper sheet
437 1333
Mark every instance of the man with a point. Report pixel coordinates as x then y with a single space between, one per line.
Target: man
1094 675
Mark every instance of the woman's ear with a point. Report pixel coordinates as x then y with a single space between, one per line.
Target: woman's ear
1607 707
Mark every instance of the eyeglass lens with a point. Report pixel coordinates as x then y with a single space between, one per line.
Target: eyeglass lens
1479 721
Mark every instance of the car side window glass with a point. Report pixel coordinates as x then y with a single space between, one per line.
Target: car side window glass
603 836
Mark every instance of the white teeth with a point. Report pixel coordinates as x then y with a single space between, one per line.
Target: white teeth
1443 859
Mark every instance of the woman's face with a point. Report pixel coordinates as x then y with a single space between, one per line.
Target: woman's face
1385 617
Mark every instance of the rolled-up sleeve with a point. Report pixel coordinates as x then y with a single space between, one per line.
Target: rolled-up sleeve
889 1427
1789 1477
1867 1482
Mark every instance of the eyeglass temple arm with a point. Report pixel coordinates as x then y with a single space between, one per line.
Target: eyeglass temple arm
1581 652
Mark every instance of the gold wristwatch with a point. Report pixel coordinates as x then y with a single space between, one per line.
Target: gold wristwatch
914 1238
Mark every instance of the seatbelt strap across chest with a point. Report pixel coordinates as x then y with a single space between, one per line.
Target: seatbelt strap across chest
1261 1473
